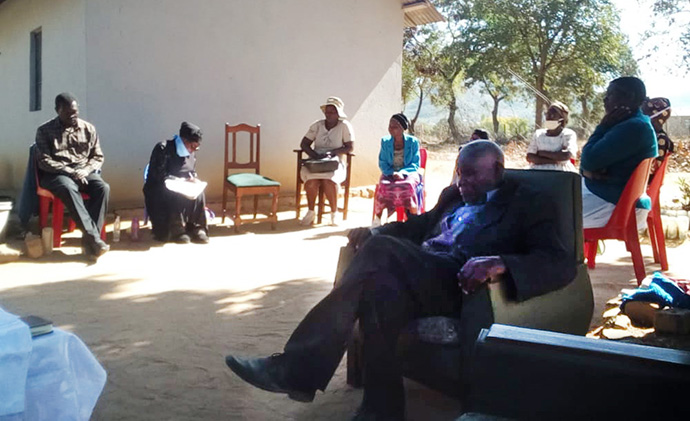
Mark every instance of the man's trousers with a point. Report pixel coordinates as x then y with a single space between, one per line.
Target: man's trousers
390 282
89 215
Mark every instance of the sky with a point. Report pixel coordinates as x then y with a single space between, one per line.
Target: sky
660 72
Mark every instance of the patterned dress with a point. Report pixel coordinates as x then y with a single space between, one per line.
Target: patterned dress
406 193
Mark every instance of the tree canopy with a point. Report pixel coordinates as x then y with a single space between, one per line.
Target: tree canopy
547 49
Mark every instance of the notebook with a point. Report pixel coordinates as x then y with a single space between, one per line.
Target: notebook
38 325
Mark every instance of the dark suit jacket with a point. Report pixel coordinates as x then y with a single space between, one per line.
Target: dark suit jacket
517 225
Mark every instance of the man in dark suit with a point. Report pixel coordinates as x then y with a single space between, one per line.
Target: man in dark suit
481 228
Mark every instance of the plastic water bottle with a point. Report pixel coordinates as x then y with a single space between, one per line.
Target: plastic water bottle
116 229
134 230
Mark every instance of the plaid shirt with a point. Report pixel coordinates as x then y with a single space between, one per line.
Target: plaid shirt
63 150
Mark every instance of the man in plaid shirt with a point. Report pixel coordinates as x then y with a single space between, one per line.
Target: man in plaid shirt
69 159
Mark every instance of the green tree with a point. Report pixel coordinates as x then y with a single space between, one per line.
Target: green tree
447 47
544 40
417 71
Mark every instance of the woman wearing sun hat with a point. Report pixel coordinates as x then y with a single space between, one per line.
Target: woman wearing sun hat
331 137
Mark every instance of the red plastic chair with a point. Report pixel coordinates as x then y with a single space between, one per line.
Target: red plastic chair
654 226
45 197
400 213
623 224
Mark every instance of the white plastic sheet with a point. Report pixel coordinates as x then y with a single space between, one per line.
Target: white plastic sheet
15 350
60 380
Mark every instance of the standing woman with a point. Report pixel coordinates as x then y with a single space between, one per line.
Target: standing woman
554 146
330 138
399 162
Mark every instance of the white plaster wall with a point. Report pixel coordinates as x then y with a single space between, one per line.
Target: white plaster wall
64 49
152 64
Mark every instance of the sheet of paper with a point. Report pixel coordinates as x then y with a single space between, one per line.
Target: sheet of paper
190 189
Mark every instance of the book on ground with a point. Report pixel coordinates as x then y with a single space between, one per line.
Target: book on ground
38 325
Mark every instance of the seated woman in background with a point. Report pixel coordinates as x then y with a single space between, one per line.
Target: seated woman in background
399 162
553 147
477 134
659 111
329 138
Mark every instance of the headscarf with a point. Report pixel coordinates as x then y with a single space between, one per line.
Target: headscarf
190 131
659 108
402 119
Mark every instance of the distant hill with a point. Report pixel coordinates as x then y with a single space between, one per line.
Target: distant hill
473 106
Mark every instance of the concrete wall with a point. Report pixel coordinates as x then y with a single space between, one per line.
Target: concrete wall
153 64
139 68
678 127
64 52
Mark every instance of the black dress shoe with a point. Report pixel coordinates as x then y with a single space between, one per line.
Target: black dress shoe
268 374
182 239
94 247
199 236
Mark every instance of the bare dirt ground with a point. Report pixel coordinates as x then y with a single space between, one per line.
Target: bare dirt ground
161 318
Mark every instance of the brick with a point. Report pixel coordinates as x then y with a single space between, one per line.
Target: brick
641 313
34 246
672 320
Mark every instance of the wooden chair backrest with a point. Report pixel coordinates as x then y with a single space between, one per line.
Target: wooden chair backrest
254 144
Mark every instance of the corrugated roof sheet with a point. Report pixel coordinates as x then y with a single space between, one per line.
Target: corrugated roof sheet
420 12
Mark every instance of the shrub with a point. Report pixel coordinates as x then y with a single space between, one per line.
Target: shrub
509 128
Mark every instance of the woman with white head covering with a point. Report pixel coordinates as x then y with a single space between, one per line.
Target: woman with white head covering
328 139
555 146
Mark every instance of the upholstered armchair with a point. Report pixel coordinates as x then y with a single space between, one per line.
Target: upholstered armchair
437 351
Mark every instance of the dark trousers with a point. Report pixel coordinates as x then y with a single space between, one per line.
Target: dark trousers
390 282
172 213
89 215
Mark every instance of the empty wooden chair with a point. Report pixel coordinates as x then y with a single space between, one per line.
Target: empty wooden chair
246 183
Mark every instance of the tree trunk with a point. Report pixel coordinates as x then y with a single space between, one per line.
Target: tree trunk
539 106
452 108
419 109
494 115
585 109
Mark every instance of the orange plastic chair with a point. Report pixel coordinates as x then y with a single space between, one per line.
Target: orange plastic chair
400 213
623 225
45 197
654 226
